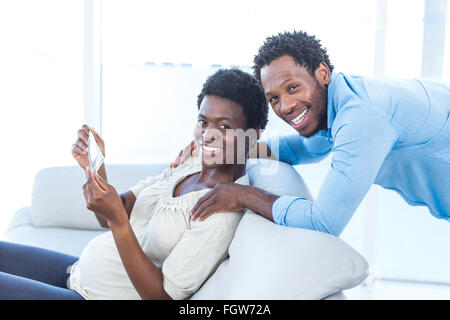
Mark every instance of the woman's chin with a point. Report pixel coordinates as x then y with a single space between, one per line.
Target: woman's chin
209 161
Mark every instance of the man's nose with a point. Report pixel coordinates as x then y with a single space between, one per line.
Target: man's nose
287 105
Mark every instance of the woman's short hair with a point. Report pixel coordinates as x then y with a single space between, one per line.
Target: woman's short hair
241 88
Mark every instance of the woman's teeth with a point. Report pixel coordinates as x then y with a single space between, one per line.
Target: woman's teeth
297 120
211 149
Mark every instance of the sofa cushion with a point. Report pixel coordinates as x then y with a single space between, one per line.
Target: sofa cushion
69 241
268 261
58 201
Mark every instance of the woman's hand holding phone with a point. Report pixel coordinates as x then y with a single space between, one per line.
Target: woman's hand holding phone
80 147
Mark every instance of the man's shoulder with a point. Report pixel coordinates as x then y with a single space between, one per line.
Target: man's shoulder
346 89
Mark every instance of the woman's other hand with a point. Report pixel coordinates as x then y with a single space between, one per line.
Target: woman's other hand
80 147
184 154
102 198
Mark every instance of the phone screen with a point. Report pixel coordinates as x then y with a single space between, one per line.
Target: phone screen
96 157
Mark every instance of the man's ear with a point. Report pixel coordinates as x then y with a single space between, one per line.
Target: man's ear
323 74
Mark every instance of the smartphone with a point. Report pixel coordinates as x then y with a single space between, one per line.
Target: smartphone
95 155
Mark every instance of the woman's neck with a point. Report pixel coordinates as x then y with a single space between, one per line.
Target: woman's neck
224 174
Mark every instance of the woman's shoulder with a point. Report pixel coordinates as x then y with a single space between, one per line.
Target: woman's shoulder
191 163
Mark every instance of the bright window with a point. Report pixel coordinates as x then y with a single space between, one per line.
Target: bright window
157 54
41 100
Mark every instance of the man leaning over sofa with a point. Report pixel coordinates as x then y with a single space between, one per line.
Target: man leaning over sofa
393 133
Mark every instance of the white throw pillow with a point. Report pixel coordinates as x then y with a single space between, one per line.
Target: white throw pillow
268 261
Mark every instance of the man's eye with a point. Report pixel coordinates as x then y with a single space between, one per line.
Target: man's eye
273 100
225 126
201 123
292 88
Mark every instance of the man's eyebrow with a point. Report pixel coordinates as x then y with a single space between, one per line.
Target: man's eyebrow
287 80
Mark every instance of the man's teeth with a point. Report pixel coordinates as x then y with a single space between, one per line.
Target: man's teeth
300 117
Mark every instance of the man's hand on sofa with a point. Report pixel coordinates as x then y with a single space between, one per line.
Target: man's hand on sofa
228 197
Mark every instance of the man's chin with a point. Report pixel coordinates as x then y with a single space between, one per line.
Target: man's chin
307 133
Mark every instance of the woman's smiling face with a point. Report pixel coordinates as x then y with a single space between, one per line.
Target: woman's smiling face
295 95
218 119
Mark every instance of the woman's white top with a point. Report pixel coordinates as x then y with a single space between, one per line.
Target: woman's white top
187 252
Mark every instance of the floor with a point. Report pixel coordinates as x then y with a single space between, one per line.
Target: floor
399 290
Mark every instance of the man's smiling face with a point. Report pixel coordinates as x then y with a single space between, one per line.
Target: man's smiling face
295 95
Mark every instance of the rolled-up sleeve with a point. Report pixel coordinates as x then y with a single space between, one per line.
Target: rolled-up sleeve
363 138
199 252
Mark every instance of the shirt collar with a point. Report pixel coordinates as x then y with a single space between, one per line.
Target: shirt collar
331 112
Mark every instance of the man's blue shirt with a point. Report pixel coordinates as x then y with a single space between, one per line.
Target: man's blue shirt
394 133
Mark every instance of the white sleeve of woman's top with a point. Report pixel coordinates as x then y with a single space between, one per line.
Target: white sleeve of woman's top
142 184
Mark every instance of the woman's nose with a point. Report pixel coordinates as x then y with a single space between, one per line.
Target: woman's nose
209 134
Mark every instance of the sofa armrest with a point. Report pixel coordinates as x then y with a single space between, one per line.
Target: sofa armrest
19 218
58 200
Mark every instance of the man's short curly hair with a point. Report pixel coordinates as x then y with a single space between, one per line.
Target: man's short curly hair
306 50
241 88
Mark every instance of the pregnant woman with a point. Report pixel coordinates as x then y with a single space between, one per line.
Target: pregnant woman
153 250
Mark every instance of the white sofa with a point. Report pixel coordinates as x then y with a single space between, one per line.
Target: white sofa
266 261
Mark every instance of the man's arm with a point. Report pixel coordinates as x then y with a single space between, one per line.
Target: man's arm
363 138
258 201
295 149
231 197
228 197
